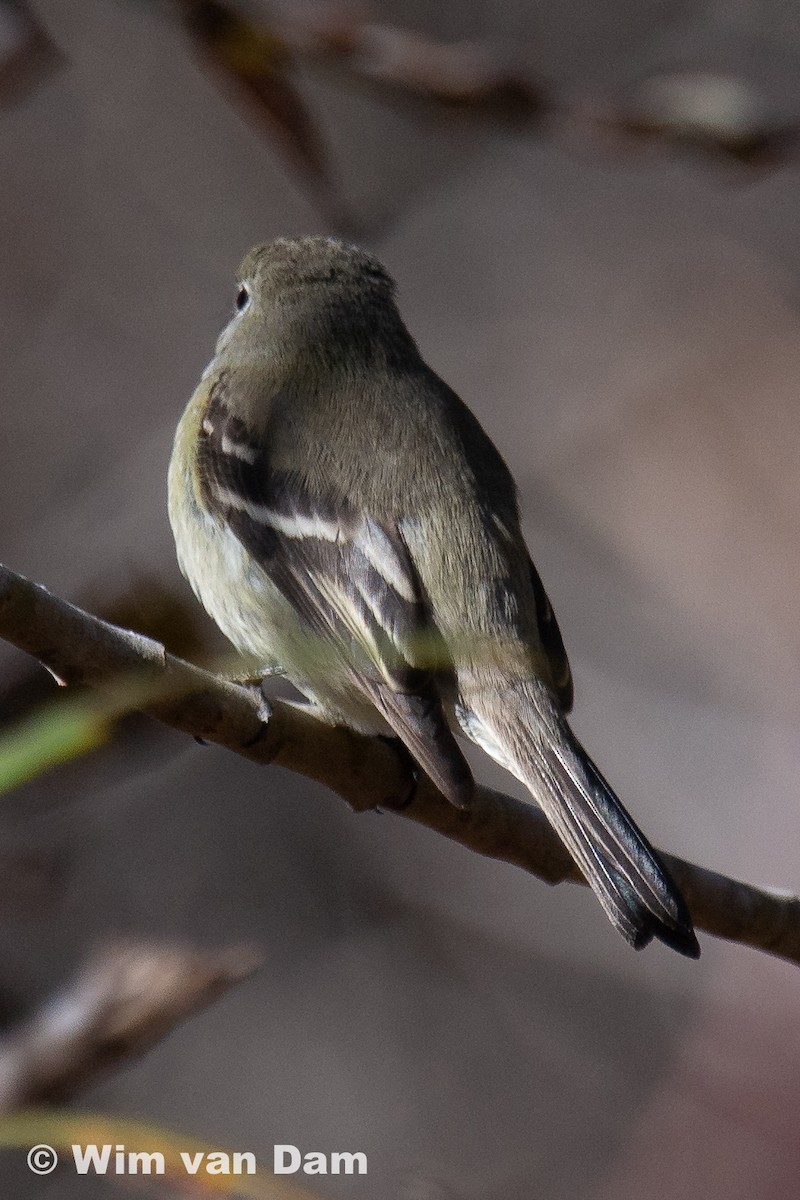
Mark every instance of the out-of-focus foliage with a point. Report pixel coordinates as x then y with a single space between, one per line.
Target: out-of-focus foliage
717 114
38 732
467 74
255 64
50 736
124 998
721 115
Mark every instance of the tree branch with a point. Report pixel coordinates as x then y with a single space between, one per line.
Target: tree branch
136 672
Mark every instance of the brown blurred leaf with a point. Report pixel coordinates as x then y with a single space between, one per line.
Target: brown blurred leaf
464 74
27 55
717 114
256 65
127 998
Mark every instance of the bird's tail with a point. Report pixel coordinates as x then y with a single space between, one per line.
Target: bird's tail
528 734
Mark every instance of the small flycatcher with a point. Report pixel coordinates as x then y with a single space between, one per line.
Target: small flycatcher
344 518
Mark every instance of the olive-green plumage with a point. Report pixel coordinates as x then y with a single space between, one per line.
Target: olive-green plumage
341 514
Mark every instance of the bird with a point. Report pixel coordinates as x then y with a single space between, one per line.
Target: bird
345 519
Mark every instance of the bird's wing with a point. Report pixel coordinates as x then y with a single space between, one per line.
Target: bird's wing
350 579
552 643
495 482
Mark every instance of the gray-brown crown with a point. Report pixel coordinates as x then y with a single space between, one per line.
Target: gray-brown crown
289 263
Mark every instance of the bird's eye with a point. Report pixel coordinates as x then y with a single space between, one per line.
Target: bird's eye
242 298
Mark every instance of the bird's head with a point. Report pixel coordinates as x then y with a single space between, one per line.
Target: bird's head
307 294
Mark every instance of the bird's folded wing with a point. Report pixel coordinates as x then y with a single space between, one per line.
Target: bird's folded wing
552 644
350 579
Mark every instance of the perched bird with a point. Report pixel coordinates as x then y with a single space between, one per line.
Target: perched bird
342 516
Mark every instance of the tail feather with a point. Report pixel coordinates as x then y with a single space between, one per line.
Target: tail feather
615 858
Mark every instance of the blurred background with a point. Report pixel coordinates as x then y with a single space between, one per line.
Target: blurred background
592 214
